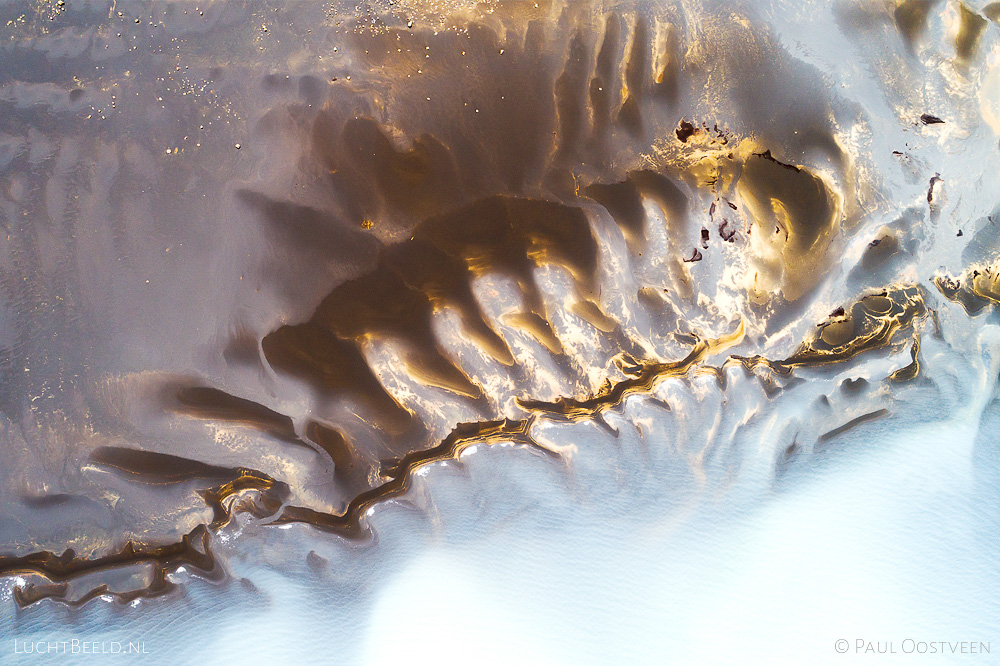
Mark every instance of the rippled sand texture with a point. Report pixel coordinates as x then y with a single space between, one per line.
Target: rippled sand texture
269 265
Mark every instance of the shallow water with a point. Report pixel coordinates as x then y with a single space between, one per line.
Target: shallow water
560 333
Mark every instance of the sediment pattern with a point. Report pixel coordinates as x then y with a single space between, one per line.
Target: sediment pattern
437 232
